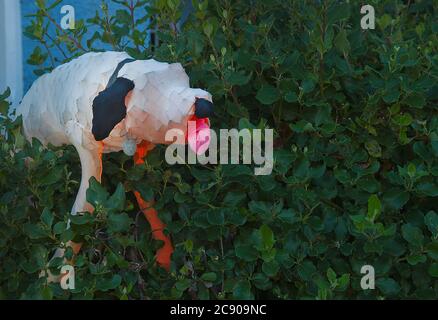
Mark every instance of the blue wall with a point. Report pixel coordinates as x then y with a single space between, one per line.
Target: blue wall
84 9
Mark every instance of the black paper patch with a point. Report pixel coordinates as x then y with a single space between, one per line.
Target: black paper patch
109 108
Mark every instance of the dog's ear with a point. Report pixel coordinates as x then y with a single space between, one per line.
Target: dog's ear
109 107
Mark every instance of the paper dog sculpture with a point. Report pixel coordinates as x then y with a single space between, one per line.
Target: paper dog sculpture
108 102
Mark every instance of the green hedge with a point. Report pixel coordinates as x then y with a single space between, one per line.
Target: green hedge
355 180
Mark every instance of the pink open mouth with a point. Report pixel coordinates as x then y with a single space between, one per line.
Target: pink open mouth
198 134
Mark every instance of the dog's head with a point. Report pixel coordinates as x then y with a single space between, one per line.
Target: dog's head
150 98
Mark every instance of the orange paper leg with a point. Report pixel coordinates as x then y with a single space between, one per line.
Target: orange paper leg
165 252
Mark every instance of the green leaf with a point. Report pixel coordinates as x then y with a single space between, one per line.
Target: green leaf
306 270
287 215
209 276
246 252
270 268
46 293
411 170
136 173
323 115
341 42
235 217
237 78
96 194
421 150
81 219
343 282
412 234
391 95
67 235
53 176
373 148
6 94
266 182
291 97
338 12
109 284
388 286
146 192
267 95
59 227
117 199
242 290
433 270
4 108
431 221
307 85
233 170
47 217
183 284
244 123
396 198
261 281
302 126
119 222
232 198
267 237
369 184
331 276
4 105
415 100
428 188
259 207
403 120
415 259
208 29
432 250
34 231
384 21
374 207
216 217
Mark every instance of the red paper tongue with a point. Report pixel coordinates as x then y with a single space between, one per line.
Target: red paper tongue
198 135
